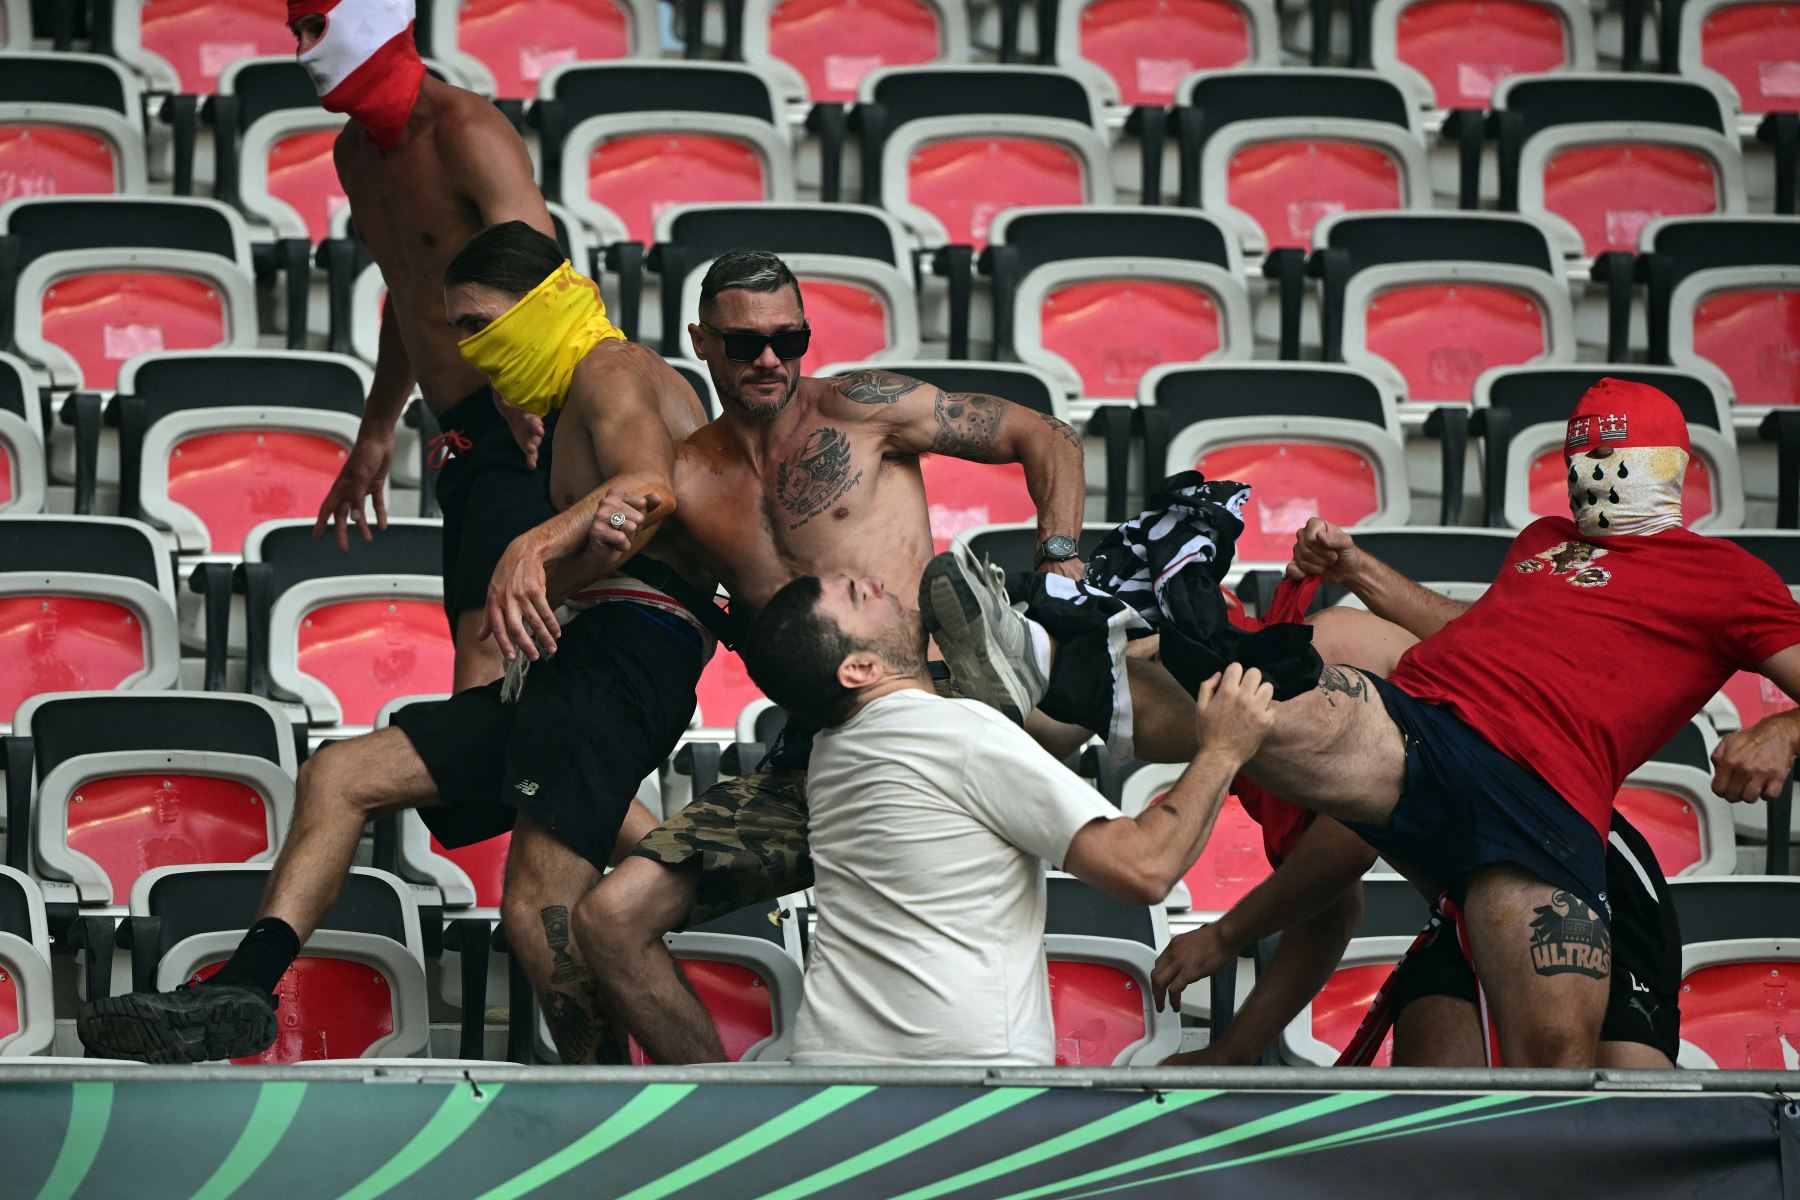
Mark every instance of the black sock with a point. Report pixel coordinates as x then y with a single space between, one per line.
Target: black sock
262 957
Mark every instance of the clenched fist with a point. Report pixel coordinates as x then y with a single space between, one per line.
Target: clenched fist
1323 549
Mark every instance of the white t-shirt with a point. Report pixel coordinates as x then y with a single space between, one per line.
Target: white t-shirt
931 822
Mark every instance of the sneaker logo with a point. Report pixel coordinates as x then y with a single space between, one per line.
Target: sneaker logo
529 787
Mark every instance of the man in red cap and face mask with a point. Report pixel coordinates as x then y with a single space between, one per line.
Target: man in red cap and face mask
426 167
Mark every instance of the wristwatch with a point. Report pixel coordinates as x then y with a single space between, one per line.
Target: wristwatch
1058 547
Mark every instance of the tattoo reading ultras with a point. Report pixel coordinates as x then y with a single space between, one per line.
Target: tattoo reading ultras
1344 682
875 387
1565 938
967 423
814 476
563 966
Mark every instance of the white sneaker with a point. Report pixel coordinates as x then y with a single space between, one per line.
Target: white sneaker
986 644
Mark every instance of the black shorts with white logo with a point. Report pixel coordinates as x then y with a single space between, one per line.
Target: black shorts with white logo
1645 1001
593 720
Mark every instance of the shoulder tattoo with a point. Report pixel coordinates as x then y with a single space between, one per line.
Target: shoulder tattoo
875 387
813 477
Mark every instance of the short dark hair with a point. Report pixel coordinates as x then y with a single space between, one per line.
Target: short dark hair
747 271
794 651
511 257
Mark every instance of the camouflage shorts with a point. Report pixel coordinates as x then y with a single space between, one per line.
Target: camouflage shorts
749 835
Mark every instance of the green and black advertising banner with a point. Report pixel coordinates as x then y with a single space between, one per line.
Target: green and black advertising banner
500 1135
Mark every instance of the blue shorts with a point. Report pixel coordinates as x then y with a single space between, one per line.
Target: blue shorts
1465 806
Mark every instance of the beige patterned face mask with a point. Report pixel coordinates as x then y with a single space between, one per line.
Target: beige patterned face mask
1634 489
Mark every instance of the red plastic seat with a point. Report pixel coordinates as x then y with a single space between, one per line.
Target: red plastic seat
1753 336
370 651
200 38
484 863
966 182
638 176
1549 487
1440 337
1287 187
735 997
1149 46
330 1008
1097 1010
107 317
1112 331
1339 1008
9 1004
519 40
1757 48
1293 481
961 495
1465 47
1232 863
1609 193
235 481
130 824
303 174
1755 697
6 476
849 323
1668 822
55 160
834 43
1746 1015
724 690
65 644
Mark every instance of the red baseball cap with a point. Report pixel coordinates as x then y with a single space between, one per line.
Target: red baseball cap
1616 413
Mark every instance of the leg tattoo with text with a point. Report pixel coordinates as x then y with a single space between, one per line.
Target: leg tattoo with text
1566 937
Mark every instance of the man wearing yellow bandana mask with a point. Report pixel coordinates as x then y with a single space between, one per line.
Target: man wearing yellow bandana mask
560 766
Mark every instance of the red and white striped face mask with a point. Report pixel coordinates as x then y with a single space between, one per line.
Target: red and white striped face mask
365 63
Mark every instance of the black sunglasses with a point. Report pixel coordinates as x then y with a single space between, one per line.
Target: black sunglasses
748 347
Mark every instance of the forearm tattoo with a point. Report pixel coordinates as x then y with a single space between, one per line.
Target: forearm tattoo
812 478
876 387
1065 430
1343 681
563 966
967 425
1567 938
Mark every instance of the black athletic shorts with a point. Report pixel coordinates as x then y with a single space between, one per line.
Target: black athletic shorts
1645 1002
591 723
1465 806
488 497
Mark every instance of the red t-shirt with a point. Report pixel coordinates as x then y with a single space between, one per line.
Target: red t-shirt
1584 657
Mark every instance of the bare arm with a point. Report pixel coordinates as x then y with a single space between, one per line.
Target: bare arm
1140 859
1753 764
1325 550
925 419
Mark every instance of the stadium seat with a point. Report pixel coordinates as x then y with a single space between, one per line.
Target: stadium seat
1525 419
820 50
357 990
504 47
1748 46
750 987
1431 300
126 782
960 494
15 25
184 46
69 125
946 149
859 309
1271 153
282 172
86 604
688 235
1688 827
1138 51
1577 148
212 444
1393 914
1233 861
339 633
1452 53
21 440
27 1001
623 142
1101 1004
1738 964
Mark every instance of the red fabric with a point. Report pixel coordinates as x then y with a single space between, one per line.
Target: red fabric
1282 823
1586 656
1616 413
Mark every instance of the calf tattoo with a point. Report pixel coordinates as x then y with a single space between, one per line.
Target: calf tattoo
814 476
1567 938
876 387
1345 682
967 423
563 966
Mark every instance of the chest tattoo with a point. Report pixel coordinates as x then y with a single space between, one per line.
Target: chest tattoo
809 480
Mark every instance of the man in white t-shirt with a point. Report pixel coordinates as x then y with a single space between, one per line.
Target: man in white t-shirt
932 820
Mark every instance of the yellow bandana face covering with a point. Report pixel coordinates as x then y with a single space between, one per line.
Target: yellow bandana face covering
529 352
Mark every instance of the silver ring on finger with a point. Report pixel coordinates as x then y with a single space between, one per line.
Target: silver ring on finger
617 520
